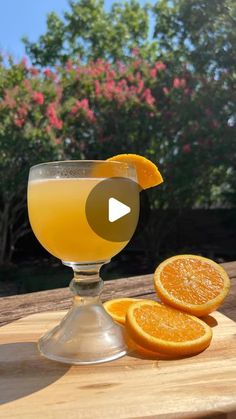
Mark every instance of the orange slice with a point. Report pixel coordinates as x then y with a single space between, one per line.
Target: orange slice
143 352
163 329
191 283
148 174
118 307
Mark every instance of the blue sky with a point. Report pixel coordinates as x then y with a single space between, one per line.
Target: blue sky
27 17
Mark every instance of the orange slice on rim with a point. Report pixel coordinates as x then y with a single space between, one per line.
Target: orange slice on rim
148 174
191 283
163 329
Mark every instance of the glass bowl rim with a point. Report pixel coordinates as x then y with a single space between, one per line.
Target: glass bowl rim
58 162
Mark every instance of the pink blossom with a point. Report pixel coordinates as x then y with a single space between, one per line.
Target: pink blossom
34 71
132 91
69 65
137 63
74 110
165 90
160 66
80 104
140 86
179 83
130 78
24 62
90 115
53 119
27 85
84 105
99 67
59 92
19 122
153 73
58 123
38 97
121 67
97 88
135 52
122 84
110 74
8 100
187 148
108 89
147 96
48 73
22 111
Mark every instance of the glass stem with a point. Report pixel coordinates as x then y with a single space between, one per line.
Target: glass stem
87 284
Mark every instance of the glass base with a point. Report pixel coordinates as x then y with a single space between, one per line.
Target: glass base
86 335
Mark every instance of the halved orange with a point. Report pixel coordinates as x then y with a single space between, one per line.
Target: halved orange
117 308
163 329
148 174
191 283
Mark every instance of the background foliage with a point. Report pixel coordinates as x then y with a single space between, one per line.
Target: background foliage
107 82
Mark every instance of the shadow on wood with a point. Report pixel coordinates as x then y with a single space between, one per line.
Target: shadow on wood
23 371
210 320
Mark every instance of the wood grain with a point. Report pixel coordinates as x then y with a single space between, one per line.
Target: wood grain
131 387
15 307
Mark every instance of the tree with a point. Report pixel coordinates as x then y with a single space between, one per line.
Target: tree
89 32
26 138
171 99
200 32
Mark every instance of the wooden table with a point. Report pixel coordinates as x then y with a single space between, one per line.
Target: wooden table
18 306
51 374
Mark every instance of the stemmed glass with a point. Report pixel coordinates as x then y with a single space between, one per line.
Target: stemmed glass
57 197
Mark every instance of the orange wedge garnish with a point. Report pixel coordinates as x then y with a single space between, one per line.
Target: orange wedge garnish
191 283
163 329
148 174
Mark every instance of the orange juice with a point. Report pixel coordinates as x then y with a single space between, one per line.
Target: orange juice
58 219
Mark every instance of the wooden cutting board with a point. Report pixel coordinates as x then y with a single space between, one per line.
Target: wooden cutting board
131 387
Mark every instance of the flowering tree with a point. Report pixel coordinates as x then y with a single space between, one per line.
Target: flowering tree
93 110
182 120
28 130
200 32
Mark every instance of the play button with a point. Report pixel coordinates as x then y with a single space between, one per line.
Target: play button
117 210
112 208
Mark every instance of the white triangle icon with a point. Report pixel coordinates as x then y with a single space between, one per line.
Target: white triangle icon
117 209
